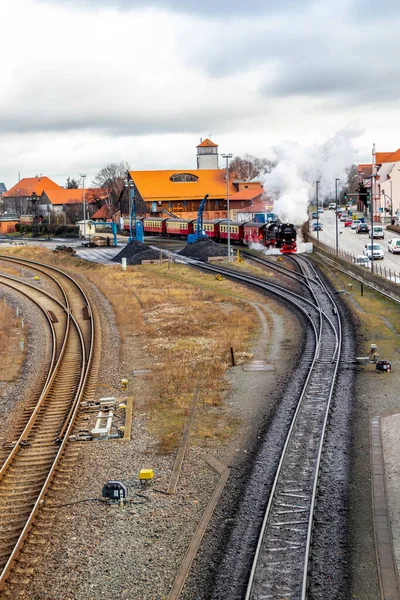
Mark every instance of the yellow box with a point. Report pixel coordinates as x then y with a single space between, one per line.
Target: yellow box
146 474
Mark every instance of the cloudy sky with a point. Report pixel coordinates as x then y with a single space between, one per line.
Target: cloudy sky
88 82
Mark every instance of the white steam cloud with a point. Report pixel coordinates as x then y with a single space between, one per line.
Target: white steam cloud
292 183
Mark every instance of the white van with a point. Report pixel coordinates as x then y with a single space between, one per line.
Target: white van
378 233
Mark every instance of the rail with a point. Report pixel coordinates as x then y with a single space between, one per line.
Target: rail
46 441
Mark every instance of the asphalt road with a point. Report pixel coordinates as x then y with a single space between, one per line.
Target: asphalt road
350 241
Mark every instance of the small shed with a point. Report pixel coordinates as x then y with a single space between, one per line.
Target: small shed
87 228
7 225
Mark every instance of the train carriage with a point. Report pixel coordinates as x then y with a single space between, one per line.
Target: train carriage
210 227
179 227
254 233
235 228
154 225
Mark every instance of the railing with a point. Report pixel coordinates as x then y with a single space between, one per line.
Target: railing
381 279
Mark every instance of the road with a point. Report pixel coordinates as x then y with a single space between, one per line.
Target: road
350 241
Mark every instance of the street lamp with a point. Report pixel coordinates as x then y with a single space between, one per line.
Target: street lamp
337 226
84 206
316 194
34 200
227 157
129 184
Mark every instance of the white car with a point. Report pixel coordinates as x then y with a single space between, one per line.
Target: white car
394 246
355 223
332 206
362 261
378 232
373 251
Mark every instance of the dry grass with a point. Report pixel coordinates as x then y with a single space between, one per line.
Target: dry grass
373 306
186 323
11 355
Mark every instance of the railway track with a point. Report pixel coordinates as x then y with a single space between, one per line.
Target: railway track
281 559
31 458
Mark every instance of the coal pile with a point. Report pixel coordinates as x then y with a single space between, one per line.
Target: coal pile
135 252
204 249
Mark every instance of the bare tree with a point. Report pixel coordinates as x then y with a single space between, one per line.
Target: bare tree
353 180
111 178
250 166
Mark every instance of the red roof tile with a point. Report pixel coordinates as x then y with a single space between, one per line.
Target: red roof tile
207 143
28 185
103 213
247 194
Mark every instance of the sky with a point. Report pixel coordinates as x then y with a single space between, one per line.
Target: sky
86 83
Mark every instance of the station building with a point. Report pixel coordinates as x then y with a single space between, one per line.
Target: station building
179 192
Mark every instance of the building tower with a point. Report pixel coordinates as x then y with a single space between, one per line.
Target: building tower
207 155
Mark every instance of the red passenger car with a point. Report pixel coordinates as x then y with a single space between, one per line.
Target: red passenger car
154 225
210 227
236 231
254 233
179 227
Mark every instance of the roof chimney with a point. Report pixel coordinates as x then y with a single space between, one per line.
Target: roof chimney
201 140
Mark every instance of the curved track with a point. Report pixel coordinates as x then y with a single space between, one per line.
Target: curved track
281 560
29 467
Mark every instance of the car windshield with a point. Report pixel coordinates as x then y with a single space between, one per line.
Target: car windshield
375 247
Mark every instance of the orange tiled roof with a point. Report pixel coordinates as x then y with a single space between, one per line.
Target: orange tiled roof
207 144
103 213
383 157
247 194
28 185
157 185
63 196
391 156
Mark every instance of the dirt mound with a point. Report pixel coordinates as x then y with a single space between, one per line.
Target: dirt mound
204 249
135 252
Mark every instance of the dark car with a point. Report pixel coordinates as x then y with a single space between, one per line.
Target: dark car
317 227
362 228
384 365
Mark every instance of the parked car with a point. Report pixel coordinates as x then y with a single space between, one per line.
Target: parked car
314 215
317 227
373 251
343 218
394 246
362 228
320 209
348 223
355 224
332 206
362 261
384 365
378 232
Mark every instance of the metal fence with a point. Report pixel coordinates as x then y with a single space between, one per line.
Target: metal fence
377 268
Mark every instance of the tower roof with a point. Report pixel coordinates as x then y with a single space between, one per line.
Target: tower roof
207 144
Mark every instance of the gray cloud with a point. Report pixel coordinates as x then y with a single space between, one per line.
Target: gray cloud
205 8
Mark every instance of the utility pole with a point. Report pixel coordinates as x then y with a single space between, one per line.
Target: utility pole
316 194
336 212
84 206
227 157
